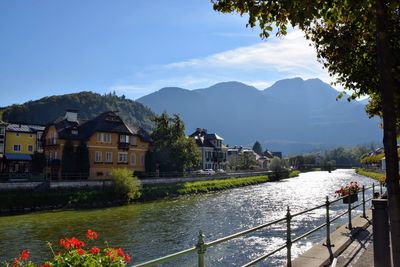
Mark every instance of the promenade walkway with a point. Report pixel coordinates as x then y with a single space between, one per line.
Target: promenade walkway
350 247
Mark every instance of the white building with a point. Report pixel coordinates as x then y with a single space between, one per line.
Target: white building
213 152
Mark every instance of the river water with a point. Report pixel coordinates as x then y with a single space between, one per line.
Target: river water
154 229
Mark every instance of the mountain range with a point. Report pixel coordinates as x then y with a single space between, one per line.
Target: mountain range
293 115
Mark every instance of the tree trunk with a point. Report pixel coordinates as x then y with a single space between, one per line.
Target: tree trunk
387 89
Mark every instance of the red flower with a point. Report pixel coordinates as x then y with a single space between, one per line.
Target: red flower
91 234
94 250
120 252
17 262
127 258
46 265
25 254
81 251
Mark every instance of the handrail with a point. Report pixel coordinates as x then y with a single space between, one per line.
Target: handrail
201 246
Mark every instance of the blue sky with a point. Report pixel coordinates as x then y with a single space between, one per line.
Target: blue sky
136 47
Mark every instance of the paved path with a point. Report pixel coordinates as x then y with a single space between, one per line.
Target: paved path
360 252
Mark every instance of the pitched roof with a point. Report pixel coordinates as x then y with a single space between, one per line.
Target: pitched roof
24 128
105 122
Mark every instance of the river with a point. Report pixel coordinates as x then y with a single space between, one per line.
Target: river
154 229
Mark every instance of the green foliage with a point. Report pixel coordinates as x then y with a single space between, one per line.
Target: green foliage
294 174
277 164
68 161
171 150
82 160
126 186
257 148
374 175
372 159
89 104
165 190
246 161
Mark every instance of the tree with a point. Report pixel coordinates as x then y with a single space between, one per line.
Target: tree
277 164
68 161
358 41
171 150
257 148
82 160
38 162
246 161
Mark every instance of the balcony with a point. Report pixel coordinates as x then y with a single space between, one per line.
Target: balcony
123 146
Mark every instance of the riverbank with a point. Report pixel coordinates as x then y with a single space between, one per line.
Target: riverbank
24 201
374 175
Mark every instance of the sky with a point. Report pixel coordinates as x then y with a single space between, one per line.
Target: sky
134 48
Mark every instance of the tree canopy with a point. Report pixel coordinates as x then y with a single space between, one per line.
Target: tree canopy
171 150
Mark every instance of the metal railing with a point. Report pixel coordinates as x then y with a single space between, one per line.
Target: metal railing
202 246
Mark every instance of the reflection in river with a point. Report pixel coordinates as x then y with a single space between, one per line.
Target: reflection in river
150 230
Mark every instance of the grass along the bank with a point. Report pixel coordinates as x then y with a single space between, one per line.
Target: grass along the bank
294 173
374 175
165 190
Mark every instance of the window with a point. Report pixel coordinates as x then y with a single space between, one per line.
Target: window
124 139
103 137
133 141
133 159
1 148
2 130
17 134
107 138
122 157
109 157
74 132
30 135
17 148
97 156
30 148
142 160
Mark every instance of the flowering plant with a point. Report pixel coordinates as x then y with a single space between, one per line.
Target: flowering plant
74 252
352 188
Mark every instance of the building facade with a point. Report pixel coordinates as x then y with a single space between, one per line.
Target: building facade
213 151
110 143
2 145
21 142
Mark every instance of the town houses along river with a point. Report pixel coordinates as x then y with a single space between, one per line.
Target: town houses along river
153 229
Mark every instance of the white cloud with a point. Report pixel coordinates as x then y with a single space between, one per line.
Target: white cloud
259 65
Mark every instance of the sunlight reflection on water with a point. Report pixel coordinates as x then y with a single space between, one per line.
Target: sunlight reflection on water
150 230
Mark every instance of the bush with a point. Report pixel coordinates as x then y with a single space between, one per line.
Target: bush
125 184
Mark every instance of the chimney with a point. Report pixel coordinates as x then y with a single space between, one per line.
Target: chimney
71 115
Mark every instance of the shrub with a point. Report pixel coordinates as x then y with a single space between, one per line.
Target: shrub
125 184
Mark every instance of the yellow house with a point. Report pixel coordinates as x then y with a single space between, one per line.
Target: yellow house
110 143
21 141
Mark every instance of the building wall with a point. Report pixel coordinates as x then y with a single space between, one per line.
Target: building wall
23 139
101 167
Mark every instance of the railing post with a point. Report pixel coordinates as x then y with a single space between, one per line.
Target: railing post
350 226
373 189
363 201
328 224
380 186
201 249
288 238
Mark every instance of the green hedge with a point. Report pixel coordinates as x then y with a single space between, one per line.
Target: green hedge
374 175
165 190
